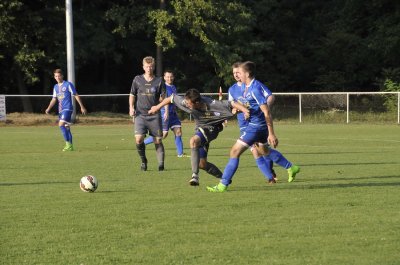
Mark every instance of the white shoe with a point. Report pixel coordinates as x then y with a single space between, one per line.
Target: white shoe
194 181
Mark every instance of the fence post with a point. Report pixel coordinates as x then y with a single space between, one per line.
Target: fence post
347 102
300 107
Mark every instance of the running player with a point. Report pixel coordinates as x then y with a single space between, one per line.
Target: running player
65 93
259 129
147 90
170 116
209 115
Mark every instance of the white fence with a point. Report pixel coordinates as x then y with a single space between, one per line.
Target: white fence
299 102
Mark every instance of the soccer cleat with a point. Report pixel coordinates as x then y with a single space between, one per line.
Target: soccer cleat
292 171
68 147
218 188
143 166
183 155
194 181
161 168
274 175
271 181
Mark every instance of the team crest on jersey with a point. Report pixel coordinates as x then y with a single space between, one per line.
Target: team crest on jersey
63 89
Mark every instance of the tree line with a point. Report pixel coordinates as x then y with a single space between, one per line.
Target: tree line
301 46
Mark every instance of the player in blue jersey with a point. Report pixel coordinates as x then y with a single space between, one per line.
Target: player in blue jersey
259 130
209 115
235 92
170 116
65 93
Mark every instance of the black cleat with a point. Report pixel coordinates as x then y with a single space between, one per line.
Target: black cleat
161 168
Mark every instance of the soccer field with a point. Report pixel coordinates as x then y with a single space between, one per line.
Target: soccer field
343 208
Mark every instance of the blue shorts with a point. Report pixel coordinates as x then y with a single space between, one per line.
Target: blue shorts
252 135
65 116
172 122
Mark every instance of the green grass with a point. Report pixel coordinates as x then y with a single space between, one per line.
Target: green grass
343 207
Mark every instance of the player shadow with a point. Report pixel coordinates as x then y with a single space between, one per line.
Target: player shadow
304 186
5 184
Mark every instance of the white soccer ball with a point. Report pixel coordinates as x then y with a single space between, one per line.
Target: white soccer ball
88 183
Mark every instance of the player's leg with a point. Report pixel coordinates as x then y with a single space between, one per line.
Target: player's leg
178 140
175 124
155 129
140 132
195 143
64 121
279 159
263 161
148 140
209 167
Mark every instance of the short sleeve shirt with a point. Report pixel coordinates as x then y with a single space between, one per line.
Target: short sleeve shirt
147 93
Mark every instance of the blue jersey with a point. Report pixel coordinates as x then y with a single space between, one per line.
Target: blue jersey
252 98
64 93
170 89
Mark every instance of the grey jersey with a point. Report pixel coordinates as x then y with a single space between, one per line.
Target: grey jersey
147 94
214 113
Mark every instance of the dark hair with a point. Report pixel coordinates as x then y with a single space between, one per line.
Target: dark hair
168 71
57 71
249 67
193 95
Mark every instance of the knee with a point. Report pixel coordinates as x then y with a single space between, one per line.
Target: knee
202 163
194 142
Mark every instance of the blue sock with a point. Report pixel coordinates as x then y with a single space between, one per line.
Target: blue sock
69 134
278 158
229 171
65 133
148 140
179 145
265 167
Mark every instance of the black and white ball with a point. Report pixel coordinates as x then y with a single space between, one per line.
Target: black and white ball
89 183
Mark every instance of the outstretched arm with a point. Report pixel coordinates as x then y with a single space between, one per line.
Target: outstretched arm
242 108
163 103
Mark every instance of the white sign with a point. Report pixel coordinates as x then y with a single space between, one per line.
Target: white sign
2 108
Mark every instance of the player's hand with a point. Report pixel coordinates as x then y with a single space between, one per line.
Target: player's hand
272 140
153 110
132 112
47 111
83 110
246 114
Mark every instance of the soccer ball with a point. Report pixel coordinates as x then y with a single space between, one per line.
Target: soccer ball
88 183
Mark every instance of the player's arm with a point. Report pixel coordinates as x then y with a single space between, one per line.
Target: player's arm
163 103
272 139
241 108
131 105
270 100
51 104
79 100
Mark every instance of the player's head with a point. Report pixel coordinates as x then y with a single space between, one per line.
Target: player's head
193 98
247 71
58 75
235 70
169 77
148 64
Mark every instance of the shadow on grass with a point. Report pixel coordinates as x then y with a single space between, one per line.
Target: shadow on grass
34 183
304 186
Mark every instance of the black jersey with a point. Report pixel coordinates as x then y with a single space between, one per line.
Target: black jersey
215 112
147 94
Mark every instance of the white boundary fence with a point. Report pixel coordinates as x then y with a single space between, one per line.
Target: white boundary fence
299 95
